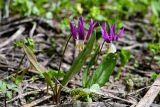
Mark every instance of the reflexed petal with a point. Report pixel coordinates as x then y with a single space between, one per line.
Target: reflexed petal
90 30
105 34
73 30
81 31
119 33
81 19
112 32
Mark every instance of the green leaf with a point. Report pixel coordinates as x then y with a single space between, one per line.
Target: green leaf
154 47
33 60
54 73
34 78
100 17
19 79
94 11
9 94
30 42
95 88
79 8
3 86
85 74
84 94
79 61
1 4
104 70
35 10
124 56
18 44
49 15
37 66
155 4
11 86
154 76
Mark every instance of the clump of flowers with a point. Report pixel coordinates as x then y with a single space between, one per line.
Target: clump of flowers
111 36
79 34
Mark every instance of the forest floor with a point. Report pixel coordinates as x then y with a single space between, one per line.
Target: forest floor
136 77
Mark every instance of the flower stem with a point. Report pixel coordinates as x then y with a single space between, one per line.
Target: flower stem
152 58
118 73
64 52
100 50
98 55
19 66
59 87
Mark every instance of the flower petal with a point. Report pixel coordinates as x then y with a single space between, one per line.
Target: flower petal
112 32
81 31
119 33
73 29
90 30
105 34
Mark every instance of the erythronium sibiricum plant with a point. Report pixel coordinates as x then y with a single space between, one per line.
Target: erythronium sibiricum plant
104 70
101 75
79 34
111 37
87 53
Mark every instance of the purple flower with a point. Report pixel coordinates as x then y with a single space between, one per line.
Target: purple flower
73 29
79 33
109 38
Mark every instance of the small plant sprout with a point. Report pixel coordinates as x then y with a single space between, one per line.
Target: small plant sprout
79 33
110 37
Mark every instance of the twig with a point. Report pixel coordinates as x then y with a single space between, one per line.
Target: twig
107 94
32 30
13 37
118 98
5 97
113 91
25 94
149 97
139 90
22 95
33 103
115 104
11 29
133 24
22 100
23 20
133 46
143 73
